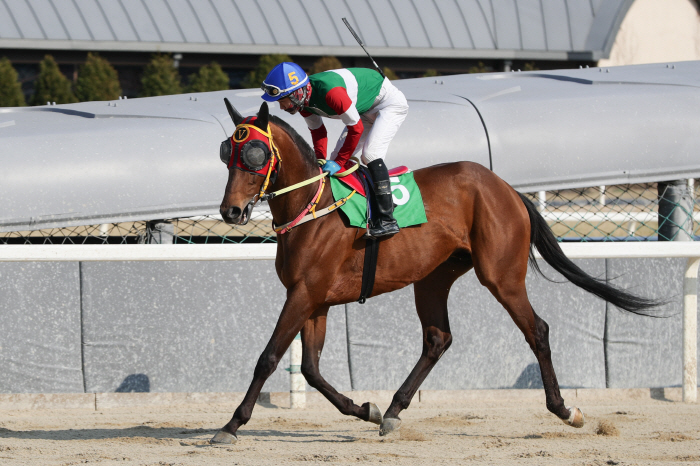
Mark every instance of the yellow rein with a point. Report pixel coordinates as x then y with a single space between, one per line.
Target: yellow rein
321 162
312 215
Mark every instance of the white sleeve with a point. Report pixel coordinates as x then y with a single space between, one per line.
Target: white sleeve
313 121
351 116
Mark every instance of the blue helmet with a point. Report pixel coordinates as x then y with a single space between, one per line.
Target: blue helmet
284 79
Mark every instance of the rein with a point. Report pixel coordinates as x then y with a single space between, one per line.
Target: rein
309 213
305 216
267 197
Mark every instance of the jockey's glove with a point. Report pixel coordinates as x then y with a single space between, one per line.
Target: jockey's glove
331 167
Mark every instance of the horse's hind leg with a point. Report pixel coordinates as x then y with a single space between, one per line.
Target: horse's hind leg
313 336
431 304
511 293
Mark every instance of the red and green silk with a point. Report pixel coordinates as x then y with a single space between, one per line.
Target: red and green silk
340 94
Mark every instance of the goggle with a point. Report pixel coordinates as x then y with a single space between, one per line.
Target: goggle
253 157
249 151
272 91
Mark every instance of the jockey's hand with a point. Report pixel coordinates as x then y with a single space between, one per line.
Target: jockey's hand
331 167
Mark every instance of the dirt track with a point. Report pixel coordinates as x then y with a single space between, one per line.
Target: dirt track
493 432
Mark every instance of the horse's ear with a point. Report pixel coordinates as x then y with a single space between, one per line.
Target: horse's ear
235 116
263 117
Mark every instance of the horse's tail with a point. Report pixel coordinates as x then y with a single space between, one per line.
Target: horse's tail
542 238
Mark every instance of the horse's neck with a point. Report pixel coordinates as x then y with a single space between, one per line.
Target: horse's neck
294 169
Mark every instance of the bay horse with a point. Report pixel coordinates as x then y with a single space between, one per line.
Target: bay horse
475 220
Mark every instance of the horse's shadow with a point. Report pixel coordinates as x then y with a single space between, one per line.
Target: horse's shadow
530 377
155 433
158 433
135 383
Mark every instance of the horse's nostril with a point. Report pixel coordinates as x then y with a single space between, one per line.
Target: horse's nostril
233 212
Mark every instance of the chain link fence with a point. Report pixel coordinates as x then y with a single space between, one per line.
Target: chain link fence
632 212
201 229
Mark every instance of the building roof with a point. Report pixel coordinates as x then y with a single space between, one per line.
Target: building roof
158 157
499 29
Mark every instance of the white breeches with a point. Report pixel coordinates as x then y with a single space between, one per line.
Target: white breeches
381 122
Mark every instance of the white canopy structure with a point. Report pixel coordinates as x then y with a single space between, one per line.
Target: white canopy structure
157 157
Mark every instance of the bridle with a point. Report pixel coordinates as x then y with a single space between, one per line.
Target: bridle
264 160
246 134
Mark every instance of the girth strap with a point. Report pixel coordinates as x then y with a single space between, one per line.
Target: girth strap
369 270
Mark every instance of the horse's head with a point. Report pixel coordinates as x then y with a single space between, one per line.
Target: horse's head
248 154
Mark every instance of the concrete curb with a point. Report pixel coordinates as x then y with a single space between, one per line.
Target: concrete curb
102 401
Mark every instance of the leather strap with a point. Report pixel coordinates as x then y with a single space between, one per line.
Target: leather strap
370 268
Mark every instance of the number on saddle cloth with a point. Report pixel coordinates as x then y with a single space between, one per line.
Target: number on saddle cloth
367 182
408 211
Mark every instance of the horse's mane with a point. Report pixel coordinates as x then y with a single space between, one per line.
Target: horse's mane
306 151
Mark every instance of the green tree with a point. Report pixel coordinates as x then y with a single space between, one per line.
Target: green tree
389 73
160 77
530 66
10 89
51 85
479 68
265 65
97 80
325 64
209 78
429 73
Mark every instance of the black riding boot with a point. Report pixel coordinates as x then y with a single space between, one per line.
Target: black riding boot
383 223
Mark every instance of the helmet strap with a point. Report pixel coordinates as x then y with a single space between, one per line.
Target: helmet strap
307 95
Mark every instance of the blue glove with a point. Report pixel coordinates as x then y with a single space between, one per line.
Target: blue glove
331 167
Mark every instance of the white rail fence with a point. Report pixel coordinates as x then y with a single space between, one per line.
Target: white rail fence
218 252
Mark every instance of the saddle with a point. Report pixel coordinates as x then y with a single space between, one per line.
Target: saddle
360 179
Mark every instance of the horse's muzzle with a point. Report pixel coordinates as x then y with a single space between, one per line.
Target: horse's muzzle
235 215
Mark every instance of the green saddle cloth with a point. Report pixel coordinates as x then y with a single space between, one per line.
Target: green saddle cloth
409 208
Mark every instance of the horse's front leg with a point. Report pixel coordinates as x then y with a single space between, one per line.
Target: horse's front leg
313 336
297 309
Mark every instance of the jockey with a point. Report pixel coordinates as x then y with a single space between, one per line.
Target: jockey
371 108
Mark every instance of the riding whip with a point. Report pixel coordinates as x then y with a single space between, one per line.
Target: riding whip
359 41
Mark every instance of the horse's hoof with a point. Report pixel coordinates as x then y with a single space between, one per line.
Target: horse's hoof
576 417
375 416
224 438
389 425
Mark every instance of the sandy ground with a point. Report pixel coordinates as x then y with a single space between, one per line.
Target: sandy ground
505 432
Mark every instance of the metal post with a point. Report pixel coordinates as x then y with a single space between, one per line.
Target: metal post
297 392
675 211
542 197
690 331
676 224
160 232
